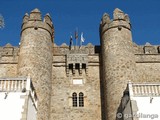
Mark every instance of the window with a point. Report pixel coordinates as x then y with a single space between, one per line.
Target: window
74 99
77 66
71 66
81 99
78 101
83 66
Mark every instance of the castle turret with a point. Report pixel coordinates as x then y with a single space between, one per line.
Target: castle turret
35 57
118 65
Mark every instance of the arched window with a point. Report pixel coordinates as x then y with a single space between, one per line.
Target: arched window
81 99
74 99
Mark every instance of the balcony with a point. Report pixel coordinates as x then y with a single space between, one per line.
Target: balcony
19 84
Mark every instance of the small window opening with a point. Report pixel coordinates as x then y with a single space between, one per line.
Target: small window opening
74 99
76 66
81 99
71 66
83 66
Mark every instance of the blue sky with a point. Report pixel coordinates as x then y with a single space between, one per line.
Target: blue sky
67 15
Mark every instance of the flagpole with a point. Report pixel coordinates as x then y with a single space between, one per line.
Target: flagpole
71 41
80 43
76 36
76 41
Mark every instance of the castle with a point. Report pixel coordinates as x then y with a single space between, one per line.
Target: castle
85 83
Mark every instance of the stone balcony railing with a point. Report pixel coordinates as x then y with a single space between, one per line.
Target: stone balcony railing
19 85
145 89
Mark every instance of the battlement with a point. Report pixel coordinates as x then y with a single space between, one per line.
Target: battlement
120 19
147 53
65 49
34 20
147 49
8 50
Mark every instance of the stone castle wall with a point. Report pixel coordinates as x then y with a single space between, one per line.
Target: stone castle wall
8 61
104 70
123 61
63 87
147 63
147 66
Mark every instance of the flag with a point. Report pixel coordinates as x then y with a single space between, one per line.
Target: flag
82 38
71 41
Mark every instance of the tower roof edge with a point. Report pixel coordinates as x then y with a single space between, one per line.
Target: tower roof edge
35 10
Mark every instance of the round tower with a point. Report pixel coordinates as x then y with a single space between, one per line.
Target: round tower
35 57
118 64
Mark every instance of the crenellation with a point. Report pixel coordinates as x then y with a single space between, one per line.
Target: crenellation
146 49
25 18
118 14
9 54
35 15
105 19
8 50
60 50
138 49
149 49
65 49
119 20
34 20
48 19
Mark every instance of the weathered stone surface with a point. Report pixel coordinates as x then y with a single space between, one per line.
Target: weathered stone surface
62 89
105 74
118 63
35 60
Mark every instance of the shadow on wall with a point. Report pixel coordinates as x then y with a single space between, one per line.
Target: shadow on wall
123 104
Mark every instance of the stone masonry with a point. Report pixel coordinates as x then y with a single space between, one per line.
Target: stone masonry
35 57
100 73
117 68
